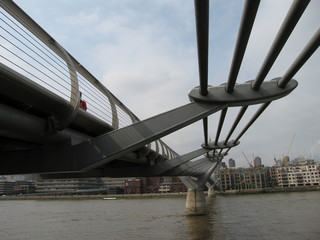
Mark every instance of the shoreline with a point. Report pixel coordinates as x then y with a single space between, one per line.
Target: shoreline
93 196
270 190
151 195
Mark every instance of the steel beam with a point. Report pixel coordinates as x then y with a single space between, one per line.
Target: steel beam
98 151
25 127
236 122
158 169
116 143
248 17
205 177
295 12
221 121
306 53
165 166
243 94
253 119
192 168
205 130
202 28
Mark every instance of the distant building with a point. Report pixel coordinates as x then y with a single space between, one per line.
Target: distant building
243 178
232 163
257 162
9 187
69 185
298 175
6 187
162 185
264 177
114 185
111 185
133 186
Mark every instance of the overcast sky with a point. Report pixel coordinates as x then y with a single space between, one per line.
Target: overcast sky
145 53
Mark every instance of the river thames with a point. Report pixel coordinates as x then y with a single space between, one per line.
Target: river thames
252 216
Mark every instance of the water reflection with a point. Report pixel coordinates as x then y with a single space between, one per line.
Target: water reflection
244 217
202 227
199 227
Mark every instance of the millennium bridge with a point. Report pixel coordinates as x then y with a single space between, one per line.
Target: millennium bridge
47 129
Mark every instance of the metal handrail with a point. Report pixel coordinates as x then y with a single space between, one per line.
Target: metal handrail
42 58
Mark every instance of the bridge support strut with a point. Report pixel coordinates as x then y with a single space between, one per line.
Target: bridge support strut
196 203
210 192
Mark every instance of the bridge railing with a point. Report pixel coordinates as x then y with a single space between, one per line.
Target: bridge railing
27 49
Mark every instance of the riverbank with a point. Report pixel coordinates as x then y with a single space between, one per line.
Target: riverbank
89 196
151 195
270 190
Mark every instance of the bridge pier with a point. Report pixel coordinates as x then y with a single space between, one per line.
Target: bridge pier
196 203
210 192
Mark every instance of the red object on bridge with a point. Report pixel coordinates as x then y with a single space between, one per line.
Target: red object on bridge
83 105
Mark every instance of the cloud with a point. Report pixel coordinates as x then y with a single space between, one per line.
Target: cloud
141 62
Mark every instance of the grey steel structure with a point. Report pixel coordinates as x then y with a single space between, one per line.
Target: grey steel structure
44 131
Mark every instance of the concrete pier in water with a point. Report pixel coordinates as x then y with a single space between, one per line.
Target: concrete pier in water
196 203
211 192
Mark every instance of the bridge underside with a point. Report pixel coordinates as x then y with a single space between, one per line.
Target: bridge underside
90 147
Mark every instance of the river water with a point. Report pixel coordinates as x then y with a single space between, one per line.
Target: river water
258 216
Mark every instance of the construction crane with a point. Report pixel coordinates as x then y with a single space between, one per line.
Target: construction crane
275 160
289 150
286 159
250 164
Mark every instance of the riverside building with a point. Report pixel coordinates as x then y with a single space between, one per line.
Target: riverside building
72 185
302 175
244 178
110 185
298 175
